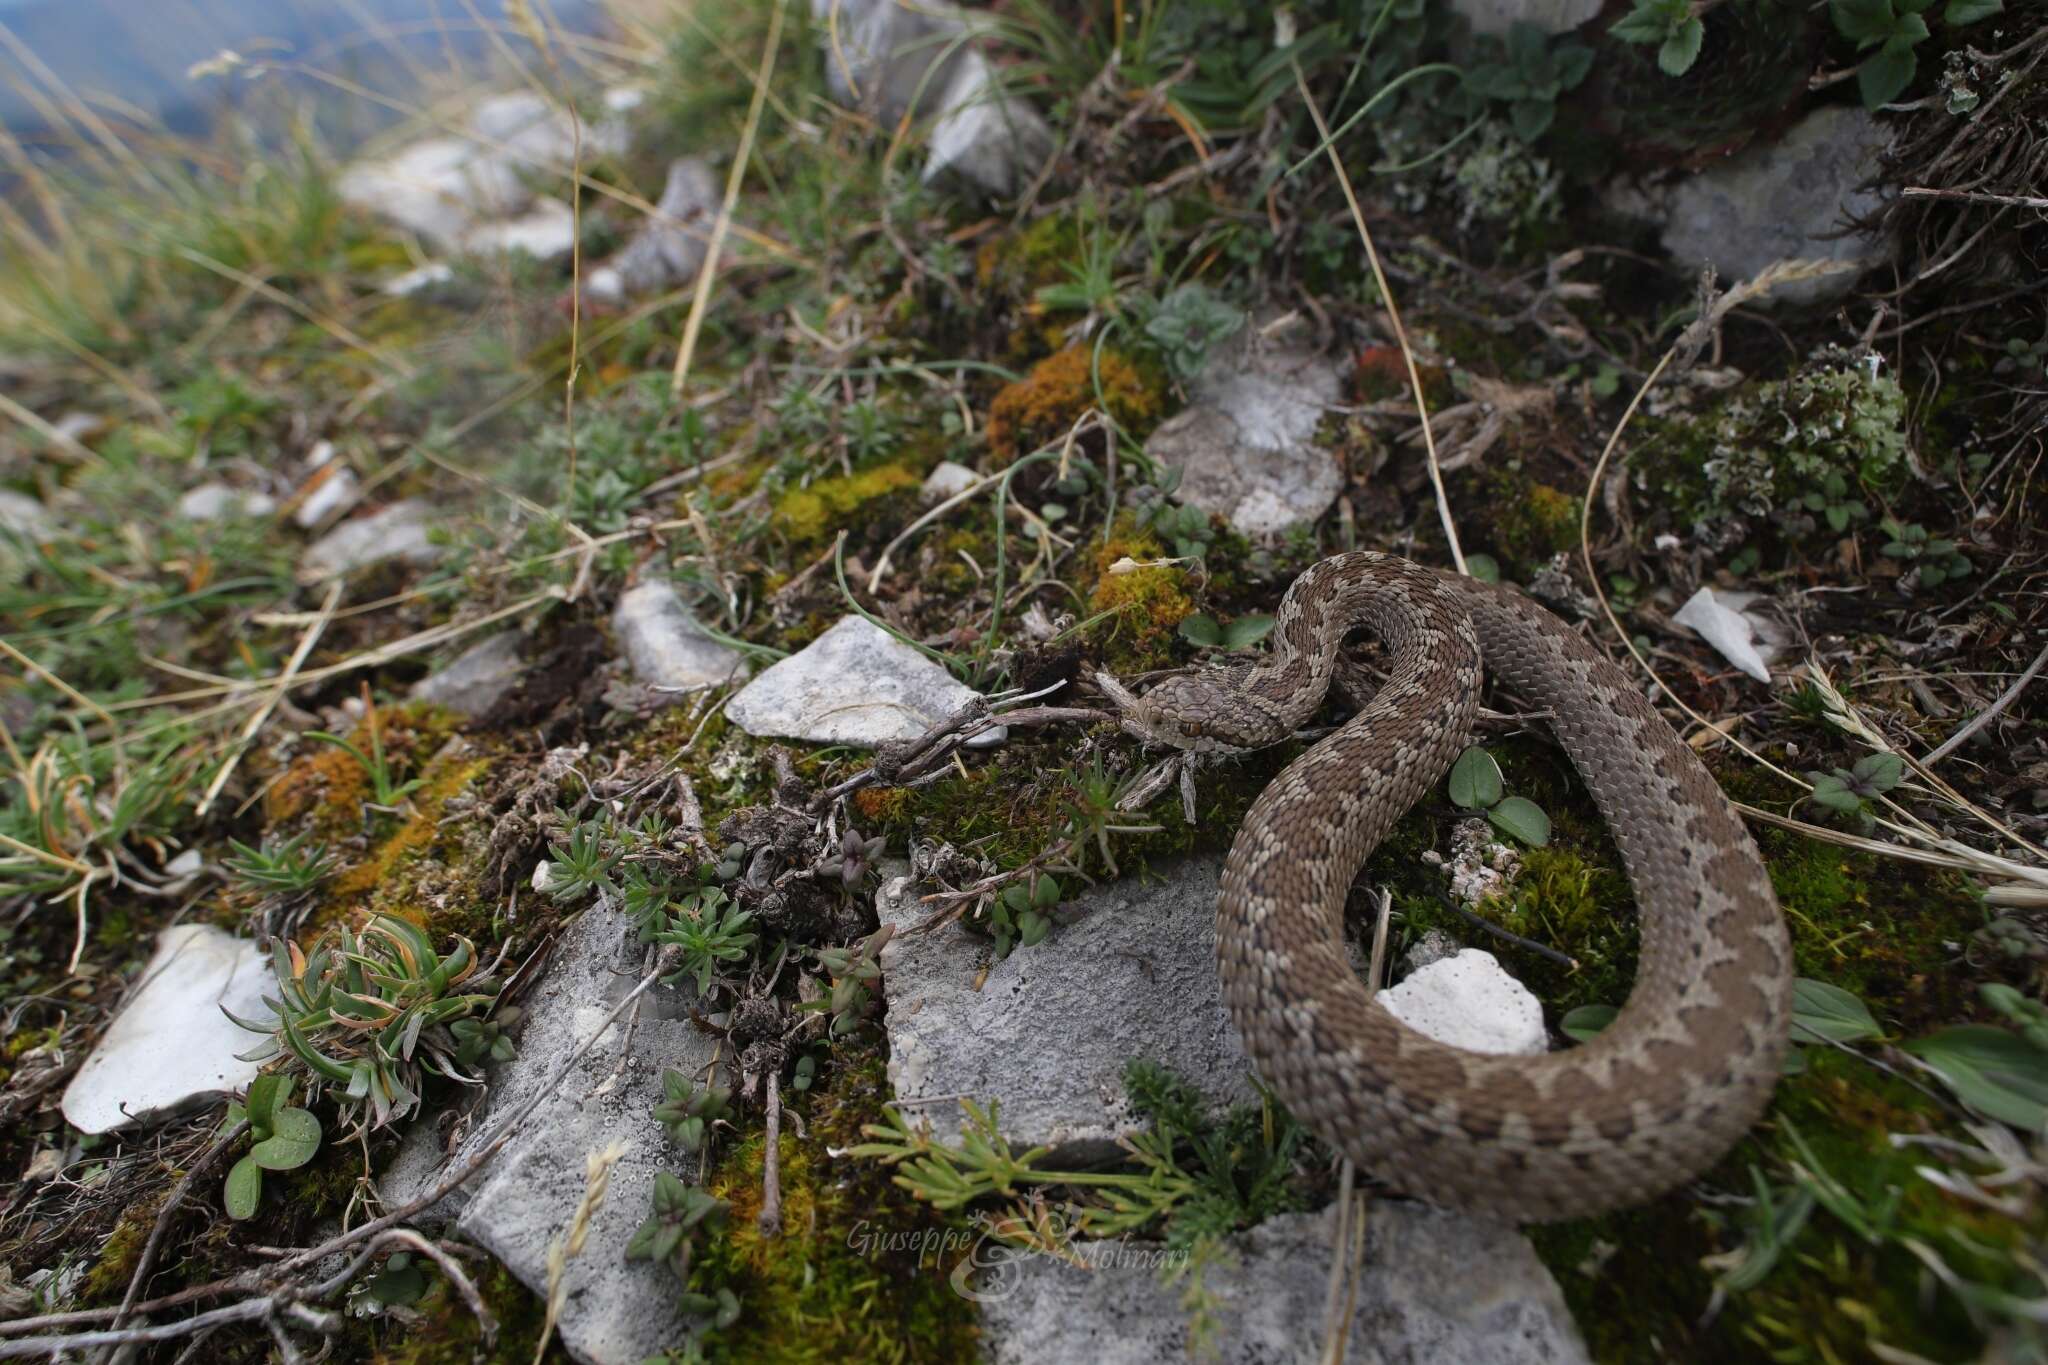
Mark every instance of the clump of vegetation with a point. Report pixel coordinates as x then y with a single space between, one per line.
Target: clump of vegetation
369 1016
1836 429
1041 408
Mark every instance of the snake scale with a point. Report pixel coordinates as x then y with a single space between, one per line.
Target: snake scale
1663 1091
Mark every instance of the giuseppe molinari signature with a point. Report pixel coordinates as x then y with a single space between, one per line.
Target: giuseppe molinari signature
984 1267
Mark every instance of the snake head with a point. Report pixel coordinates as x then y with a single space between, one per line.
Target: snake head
1157 717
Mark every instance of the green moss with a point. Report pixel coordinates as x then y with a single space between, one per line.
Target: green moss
846 1279
1141 609
808 517
444 1331
1526 522
108 1279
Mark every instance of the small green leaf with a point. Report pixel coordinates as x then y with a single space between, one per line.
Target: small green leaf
1994 1072
1531 119
1475 780
1682 48
1881 78
1247 631
1522 819
1587 1022
1032 928
1485 568
244 1189
1017 897
400 1284
1879 772
1863 22
1201 630
1045 894
295 1138
266 1093
1961 12
1821 1012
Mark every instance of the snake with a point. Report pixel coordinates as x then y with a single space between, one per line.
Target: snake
1652 1101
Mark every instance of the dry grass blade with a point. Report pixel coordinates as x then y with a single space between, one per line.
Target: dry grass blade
707 274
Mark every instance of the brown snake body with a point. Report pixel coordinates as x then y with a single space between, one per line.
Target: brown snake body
1665 1090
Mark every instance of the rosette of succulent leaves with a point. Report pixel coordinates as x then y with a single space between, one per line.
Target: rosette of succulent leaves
371 1015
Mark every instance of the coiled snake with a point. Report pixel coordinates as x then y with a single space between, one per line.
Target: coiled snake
1664 1090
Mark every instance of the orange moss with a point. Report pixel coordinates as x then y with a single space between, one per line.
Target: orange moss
880 805
1040 407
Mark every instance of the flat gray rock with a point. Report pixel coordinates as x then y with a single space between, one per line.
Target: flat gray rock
1245 445
221 502
984 138
438 187
615 1311
1052 1027
476 679
23 516
397 532
1552 16
669 248
855 684
1437 1289
887 58
170 1049
474 193
1788 200
664 645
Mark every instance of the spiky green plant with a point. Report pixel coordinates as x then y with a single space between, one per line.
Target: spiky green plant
369 1015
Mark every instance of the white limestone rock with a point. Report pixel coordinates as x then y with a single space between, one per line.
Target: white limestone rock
615 1311
984 137
1245 445
220 502
170 1049
855 684
399 531
476 679
670 248
1050 1030
1785 200
1436 1287
1552 16
1468 1001
21 515
1719 619
947 480
664 645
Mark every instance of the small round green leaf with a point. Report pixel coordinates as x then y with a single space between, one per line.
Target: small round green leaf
1587 1022
1200 629
294 1140
1247 631
1475 780
1485 568
244 1189
1522 819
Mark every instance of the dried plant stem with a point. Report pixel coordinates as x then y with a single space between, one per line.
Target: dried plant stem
707 275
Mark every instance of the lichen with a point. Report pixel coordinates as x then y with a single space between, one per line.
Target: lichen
1757 453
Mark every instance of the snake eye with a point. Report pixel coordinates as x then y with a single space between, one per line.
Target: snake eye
1191 728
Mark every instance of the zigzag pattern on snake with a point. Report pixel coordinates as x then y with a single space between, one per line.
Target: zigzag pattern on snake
1666 1089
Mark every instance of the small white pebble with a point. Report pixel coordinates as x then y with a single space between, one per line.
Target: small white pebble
1468 1001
